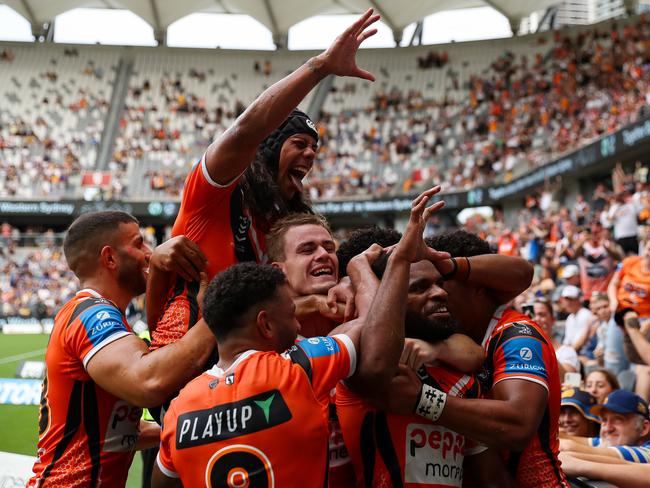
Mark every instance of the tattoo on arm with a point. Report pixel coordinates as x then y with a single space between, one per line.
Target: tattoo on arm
313 66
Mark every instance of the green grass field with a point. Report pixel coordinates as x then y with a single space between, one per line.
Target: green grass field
18 427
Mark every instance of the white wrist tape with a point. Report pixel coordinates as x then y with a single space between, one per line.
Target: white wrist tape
432 403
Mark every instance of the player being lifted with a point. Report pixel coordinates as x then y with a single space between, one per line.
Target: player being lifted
248 178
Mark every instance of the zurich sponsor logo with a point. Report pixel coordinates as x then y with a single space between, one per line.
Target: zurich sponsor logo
314 340
311 125
526 354
103 315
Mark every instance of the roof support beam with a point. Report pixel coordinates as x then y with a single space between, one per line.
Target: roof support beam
225 7
159 33
631 6
397 32
38 29
514 21
417 34
29 11
279 40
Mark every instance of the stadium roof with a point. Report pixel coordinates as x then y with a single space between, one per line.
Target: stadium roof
277 15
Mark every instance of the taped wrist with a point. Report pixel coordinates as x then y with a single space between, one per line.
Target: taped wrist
431 403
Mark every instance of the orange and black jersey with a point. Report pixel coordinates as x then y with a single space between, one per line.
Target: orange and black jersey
86 435
408 451
216 218
261 422
517 348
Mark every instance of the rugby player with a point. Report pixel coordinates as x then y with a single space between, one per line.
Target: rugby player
241 422
99 373
519 410
303 247
407 450
248 178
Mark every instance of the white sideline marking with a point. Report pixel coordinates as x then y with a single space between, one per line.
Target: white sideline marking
25 355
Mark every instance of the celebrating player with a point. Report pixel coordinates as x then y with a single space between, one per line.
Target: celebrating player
99 373
248 178
241 421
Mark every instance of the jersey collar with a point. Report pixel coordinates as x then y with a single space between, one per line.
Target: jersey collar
96 294
90 291
496 317
218 372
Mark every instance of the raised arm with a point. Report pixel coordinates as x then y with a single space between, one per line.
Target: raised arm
228 156
488 270
612 291
381 338
638 339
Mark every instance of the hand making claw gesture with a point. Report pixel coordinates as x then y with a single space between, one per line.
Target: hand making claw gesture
340 57
411 246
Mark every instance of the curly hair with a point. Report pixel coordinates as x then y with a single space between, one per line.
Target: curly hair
459 243
235 291
259 181
362 239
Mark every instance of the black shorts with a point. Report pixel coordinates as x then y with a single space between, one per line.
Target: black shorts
630 245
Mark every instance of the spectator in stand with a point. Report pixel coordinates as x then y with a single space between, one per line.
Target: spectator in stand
593 337
576 418
508 244
630 286
630 290
609 347
624 433
570 277
564 246
597 257
580 210
623 213
567 357
622 474
600 383
579 318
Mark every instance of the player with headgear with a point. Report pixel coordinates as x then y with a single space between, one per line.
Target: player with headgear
248 178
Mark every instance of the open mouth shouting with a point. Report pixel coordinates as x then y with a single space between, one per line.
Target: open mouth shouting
296 175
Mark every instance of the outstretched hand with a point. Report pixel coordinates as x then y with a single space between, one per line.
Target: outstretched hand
340 57
411 246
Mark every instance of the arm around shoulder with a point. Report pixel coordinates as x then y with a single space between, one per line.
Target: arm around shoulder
129 371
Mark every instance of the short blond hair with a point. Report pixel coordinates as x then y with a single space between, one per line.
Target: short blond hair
275 238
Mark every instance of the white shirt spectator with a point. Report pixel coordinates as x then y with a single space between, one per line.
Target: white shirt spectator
624 217
567 355
575 325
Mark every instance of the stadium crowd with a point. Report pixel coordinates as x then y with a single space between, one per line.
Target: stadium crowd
521 114
417 361
44 146
586 84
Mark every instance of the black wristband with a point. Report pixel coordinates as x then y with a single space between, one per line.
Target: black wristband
417 399
450 275
632 323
